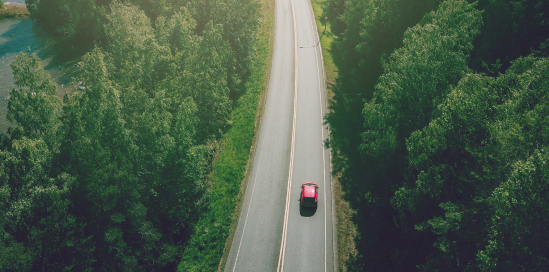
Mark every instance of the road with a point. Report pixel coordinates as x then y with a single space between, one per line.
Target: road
273 232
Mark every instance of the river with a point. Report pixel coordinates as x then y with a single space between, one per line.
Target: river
58 52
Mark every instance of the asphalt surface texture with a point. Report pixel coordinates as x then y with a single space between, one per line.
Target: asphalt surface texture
274 233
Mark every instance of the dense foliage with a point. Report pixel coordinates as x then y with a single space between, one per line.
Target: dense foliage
449 174
235 21
479 188
112 176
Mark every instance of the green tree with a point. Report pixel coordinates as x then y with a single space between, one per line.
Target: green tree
177 32
198 70
372 29
517 239
37 225
516 236
129 32
38 230
33 106
126 158
205 77
368 32
417 77
477 211
83 18
448 157
138 207
106 196
238 23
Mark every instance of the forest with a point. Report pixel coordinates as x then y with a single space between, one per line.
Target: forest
439 130
113 176
439 123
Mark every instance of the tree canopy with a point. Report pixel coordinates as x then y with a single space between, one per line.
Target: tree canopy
449 171
112 176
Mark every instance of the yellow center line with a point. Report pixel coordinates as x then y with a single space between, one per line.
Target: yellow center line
280 267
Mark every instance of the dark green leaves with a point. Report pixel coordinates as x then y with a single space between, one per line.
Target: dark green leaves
442 144
32 105
113 177
481 162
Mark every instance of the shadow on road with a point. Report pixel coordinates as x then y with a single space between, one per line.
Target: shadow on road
307 211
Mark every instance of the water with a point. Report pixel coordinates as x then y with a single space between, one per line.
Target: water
58 52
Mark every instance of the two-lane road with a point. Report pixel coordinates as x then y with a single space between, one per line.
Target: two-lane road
273 233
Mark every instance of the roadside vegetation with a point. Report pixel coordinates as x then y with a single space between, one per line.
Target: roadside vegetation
117 175
12 10
345 228
438 120
215 229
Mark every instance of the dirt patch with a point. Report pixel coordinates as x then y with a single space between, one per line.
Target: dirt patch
11 10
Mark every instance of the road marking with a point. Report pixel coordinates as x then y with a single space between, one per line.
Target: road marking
334 228
313 23
322 142
280 267
248 212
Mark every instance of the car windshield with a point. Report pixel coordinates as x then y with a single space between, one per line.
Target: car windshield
309 199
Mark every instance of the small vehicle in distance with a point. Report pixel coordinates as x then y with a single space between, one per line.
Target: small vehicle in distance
309 194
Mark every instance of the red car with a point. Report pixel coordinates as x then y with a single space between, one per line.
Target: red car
309 194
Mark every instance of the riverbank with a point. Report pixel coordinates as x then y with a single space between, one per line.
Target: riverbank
60 55
14 10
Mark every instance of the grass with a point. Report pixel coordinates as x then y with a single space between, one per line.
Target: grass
346 229
13 10
210 243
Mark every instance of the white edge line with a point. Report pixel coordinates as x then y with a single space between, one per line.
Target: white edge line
323 151
249 207
313 19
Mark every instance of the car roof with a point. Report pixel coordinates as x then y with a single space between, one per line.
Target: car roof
309 191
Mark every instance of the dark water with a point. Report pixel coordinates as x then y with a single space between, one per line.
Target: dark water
58 52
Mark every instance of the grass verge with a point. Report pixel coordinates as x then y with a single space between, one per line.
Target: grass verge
346 229
209 246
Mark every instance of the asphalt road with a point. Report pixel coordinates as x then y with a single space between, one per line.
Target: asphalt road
273 232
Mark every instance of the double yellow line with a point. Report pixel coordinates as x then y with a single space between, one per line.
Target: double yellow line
280 267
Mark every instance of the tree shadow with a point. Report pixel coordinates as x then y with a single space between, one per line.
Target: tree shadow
377 236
